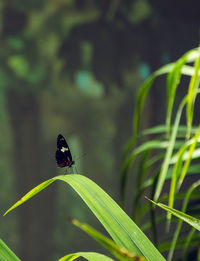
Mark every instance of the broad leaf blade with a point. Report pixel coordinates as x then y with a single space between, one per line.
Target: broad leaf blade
121 228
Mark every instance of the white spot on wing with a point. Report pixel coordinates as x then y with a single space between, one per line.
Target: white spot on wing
64 149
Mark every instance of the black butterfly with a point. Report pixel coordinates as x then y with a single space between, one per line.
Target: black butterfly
63 154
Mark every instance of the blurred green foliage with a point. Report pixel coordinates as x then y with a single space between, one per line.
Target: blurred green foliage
81 63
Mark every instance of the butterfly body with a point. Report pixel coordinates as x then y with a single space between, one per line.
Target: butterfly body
63 154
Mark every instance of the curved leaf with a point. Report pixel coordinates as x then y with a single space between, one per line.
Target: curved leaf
91 256
168 155
119 252
121 228
192 93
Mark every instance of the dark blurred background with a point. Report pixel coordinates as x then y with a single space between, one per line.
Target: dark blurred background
74 67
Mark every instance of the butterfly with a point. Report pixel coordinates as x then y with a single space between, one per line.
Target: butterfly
63 154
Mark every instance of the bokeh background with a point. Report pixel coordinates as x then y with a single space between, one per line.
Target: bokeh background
74 67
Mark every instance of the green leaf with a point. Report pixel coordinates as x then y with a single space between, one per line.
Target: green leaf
154 144
30 194
164 246
178 229
91 256
168 155
188 243
173 80
193 87
195 155
187 163
176 171
194 222
118 224
6 254
190 56
119 252
143 91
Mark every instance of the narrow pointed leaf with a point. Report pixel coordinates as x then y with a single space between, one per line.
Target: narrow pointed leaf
193 86
194 222
186 165
173 81
30 194
168 155
119 252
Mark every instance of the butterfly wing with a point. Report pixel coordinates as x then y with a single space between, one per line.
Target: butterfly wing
61 159
63 154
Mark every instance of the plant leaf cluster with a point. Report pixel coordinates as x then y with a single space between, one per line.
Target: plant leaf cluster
171 155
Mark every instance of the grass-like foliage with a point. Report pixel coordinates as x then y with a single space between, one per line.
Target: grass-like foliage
161 157
168 156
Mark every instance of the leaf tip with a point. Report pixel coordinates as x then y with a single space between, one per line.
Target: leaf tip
5 213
